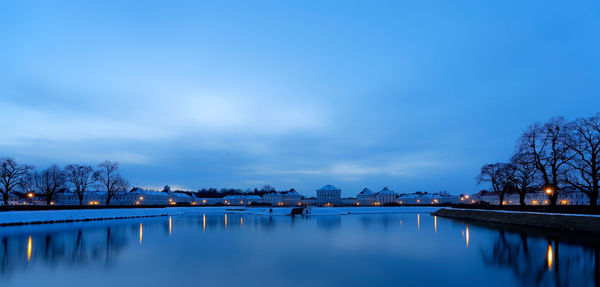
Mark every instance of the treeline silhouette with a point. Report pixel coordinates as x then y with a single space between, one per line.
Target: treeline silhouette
557 156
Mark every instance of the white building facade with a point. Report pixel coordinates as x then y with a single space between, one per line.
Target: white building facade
329 195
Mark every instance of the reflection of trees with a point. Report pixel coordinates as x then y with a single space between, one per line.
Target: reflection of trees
538 261
69 248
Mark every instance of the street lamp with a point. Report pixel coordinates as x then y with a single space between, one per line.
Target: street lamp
549 191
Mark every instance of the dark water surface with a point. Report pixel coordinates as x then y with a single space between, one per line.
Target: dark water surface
404 249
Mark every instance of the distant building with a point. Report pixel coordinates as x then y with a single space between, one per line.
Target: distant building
419 198
349 201
329 195
291 197
137 196
538 197
311 201
385 196
273 198
241 199
14 200
366 197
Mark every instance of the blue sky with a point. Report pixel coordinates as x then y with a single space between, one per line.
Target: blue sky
413 95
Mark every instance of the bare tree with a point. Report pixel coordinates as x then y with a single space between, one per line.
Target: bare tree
524 174
12 175
81 176
499 175
49 181
584 167
547 144
109 178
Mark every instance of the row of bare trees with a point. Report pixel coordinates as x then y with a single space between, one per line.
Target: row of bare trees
559 156
22 179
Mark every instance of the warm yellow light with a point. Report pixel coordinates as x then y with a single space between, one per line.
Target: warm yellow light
170 225
30 195
435 224
203 222
467 196
225 220
550 256
418 200
548 191
29 248
418 221
141 233
51 202
467 236
141 198
204 201
563 202
504 202
535 202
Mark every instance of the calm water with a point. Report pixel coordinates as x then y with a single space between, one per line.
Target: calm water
236 250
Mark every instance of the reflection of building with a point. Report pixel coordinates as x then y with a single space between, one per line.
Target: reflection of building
385 196
329 195
366 197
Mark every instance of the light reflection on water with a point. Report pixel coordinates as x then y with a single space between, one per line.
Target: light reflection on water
352 250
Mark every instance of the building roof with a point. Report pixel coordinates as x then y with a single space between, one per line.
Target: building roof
385 190
366 191
329 187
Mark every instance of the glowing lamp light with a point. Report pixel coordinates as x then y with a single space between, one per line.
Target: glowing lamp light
548 191
30 195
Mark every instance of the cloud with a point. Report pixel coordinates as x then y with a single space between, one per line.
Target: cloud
407 166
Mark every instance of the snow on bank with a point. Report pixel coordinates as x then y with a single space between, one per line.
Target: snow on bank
54 216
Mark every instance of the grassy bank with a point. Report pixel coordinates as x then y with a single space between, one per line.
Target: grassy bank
553 221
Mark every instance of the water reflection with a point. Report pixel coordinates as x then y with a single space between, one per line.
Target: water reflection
332 250
550 256
141 233
545 260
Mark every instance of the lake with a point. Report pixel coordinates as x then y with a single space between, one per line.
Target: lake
400 249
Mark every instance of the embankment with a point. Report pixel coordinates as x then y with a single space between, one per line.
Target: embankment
555 221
